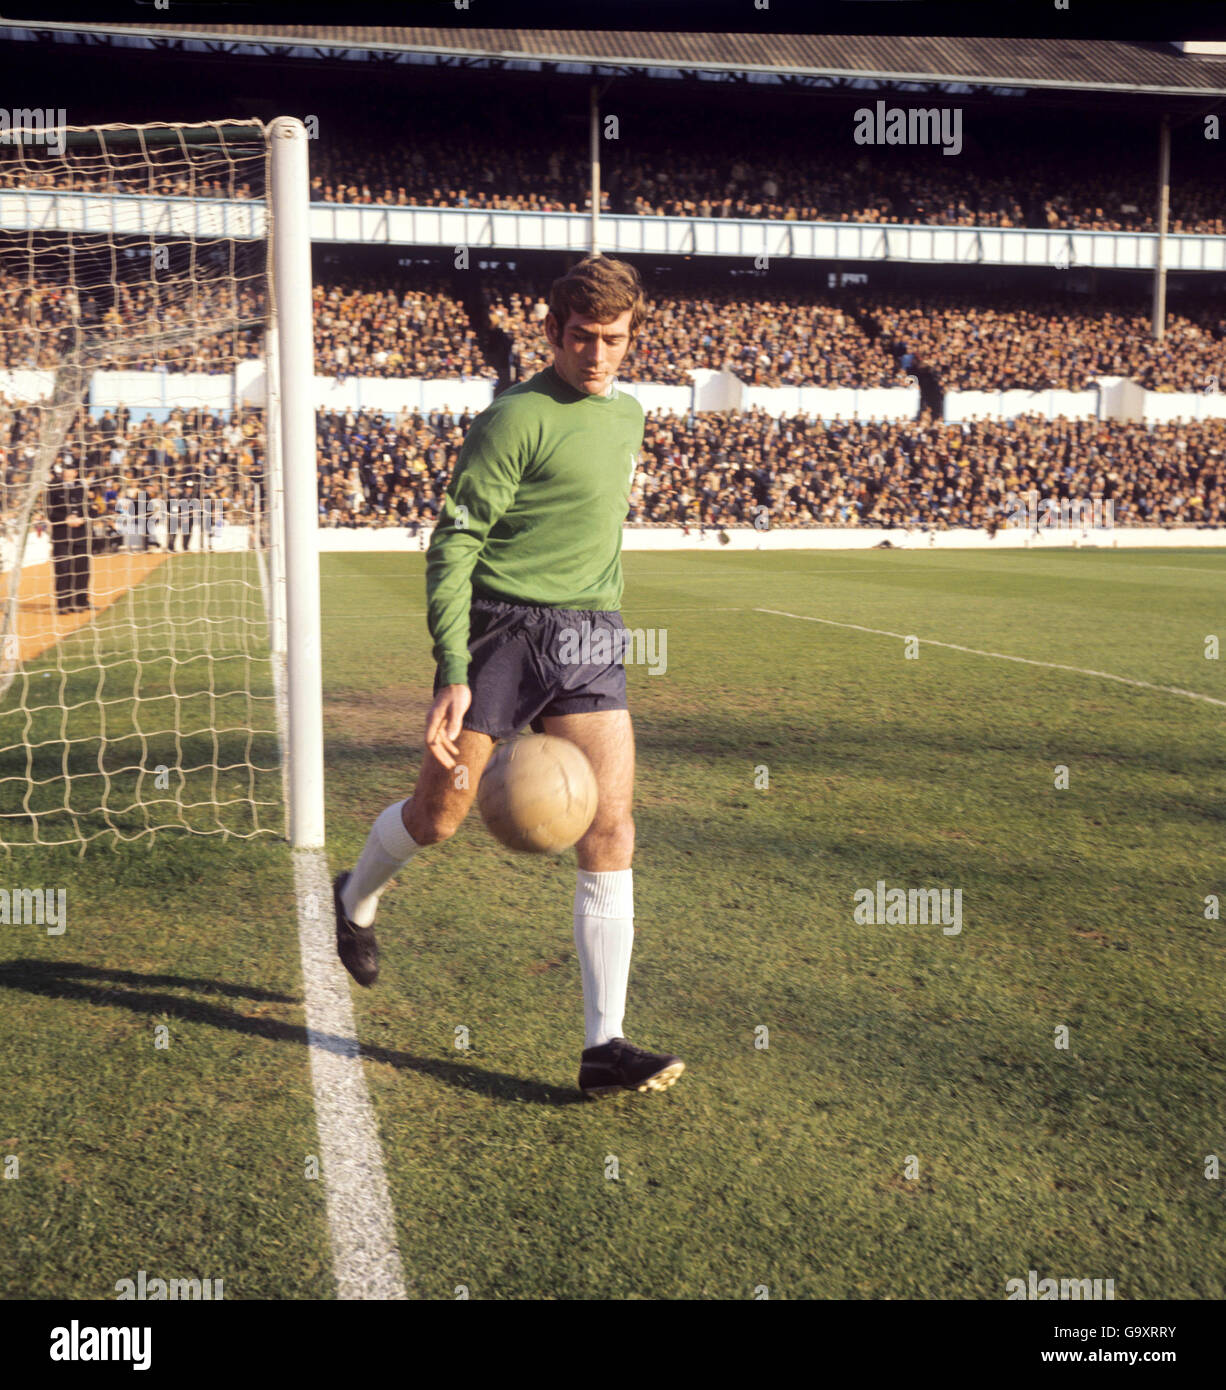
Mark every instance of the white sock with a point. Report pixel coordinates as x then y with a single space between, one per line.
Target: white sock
388 848
604 938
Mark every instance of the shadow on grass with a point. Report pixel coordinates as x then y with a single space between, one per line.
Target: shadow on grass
896 751
90 984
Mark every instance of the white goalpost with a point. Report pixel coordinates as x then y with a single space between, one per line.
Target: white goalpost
299 510
160 659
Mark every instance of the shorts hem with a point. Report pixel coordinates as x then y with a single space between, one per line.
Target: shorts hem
489 733
580 705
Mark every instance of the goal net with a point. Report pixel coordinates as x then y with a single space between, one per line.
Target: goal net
141 547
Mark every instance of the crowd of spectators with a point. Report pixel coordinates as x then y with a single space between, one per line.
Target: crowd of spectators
362 328
979 342
112 162
766 333
754 468
137 325
142 468
706 470
1014 188
711 164
990 342
797 339
379 469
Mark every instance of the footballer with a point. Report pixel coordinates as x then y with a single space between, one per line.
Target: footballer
528 545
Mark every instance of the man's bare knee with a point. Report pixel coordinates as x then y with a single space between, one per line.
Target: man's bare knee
607 846
427 828
430 823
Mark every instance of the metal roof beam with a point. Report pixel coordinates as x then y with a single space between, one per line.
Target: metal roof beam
741 74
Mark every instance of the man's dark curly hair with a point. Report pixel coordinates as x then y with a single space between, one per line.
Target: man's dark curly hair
601 288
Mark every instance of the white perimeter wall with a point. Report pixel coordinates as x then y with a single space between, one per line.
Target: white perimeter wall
398 538
1005 405
1114 398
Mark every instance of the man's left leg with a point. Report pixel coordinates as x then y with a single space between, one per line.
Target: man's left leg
604 909
81 574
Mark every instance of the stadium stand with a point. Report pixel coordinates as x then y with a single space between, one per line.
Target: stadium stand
803 340
378 470
770 331
364 328
1008 178
990 342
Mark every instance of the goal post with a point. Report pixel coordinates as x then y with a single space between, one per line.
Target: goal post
156 348
299 511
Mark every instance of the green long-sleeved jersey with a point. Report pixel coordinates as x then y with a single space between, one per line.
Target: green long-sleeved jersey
535 509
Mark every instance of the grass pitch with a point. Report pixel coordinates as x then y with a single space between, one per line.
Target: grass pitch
911 1130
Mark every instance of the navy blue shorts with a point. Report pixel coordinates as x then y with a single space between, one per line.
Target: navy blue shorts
527 661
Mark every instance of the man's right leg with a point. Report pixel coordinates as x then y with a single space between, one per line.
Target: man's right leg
440 801
503 671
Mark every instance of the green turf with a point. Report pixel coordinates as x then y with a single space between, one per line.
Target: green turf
784 1167
187 1160
781 1167
158 712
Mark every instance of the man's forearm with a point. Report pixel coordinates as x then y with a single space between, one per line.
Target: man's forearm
449 566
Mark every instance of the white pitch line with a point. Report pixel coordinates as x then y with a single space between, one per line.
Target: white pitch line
365 1256
1184 569
1001 656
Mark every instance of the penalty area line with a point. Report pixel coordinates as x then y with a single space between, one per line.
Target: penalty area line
1002 656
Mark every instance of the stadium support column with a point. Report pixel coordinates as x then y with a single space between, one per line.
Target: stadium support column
1164 205
291 253
594 122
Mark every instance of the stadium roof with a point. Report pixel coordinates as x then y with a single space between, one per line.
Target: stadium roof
1067 65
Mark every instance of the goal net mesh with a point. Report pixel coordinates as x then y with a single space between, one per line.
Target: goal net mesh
136 683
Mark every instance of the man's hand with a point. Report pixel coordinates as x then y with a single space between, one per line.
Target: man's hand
445 720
